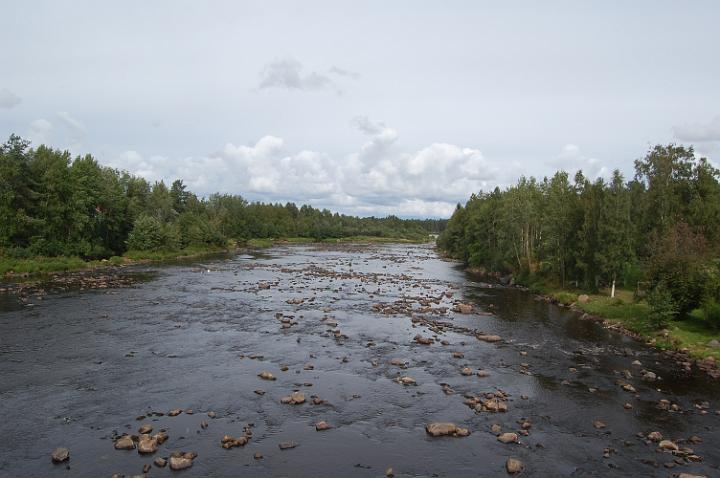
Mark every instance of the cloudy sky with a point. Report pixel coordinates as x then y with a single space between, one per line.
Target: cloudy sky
370 108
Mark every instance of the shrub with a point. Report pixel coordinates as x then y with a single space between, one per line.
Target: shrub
711 312
662 307
147 234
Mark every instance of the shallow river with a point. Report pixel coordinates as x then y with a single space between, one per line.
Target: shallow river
78 368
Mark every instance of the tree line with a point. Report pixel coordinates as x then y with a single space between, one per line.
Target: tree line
657 233
52 204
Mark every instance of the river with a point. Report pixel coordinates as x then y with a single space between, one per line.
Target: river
78 368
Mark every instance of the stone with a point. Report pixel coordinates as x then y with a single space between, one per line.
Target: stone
398 362
124 443
513 466
437 429
60 455
175 412
482 373
160 437
406 380
714 344
440 429
599 424
297 398
466 371
655 436
160 462
423 340
496 429
389 472
265 375
147 446
458 355
583 298
648 376
180 462
464 308
322 426
144 429
286 445
628 388
668 445
508 438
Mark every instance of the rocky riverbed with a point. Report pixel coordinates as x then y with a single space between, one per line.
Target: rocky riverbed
349 360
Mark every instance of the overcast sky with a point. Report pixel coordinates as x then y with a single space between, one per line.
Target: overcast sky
386 107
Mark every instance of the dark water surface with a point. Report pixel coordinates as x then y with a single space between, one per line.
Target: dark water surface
78 367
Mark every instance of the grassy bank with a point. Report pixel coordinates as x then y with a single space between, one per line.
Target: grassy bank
34 266
692 333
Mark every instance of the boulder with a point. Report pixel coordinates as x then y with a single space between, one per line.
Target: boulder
60 455
513 465
265 375
180 462
508 437
125 442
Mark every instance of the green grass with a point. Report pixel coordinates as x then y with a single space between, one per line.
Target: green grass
171 254
45 265
692 333
41 265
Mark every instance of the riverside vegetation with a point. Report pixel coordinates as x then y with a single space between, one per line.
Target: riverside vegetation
656 237
60 213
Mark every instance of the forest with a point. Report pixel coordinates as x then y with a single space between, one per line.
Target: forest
54 205
656 234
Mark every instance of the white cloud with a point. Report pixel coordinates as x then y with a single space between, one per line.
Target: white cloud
39 131
288 74
8 99
375 180
571 159
342 72
699 132
77 129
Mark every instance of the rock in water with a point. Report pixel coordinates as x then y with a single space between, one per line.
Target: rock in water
147 445
513 465
265 375
668 445
508 438
180 462
124 443
322 425
60 455
440 429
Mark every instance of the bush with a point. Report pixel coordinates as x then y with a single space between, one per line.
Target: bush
711 312
662 307
148 234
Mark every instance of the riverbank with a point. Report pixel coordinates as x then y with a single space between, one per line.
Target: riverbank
27 268
687 341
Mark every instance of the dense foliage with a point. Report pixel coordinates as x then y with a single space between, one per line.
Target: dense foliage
53 205
662 227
